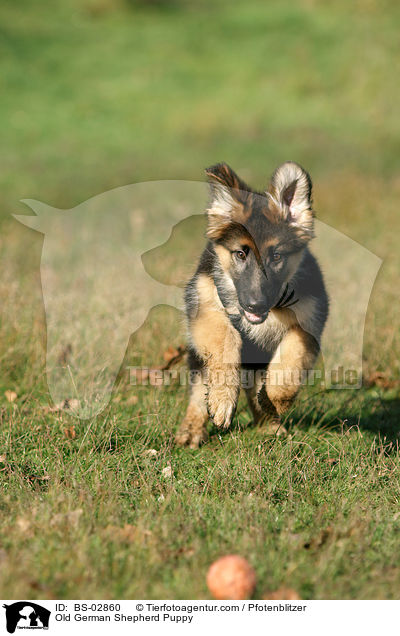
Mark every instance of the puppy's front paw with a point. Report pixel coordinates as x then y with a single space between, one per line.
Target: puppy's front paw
221 407
192 436
275 428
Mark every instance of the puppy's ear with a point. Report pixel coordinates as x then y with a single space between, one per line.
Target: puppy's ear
228 195
290 195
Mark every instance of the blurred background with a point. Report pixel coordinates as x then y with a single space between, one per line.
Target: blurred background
101 93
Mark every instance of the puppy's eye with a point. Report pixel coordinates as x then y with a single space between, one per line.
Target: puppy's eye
276 257
240 255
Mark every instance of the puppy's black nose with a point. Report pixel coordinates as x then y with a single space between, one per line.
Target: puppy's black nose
257 307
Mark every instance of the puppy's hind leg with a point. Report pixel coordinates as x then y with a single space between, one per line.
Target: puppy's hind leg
254 406
296 355
193 431
263 411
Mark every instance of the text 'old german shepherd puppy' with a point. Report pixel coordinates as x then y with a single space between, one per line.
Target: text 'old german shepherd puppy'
257 300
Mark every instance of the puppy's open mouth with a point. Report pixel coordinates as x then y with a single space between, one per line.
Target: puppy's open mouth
255 319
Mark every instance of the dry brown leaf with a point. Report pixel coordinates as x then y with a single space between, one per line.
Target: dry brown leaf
65 355
64 405
70 518
332 461
38 479
23 524
283 593
128 533
378 378
70 432
10 395
320 539
187 551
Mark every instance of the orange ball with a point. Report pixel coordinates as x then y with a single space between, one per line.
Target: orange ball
231 577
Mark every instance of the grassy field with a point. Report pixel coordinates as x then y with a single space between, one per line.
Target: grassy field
101 93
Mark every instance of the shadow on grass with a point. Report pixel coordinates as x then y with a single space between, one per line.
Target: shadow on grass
368 409
381 414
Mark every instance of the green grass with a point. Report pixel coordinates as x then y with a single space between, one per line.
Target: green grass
317 511
101 93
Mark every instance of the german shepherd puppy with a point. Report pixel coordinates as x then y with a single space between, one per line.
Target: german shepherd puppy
257 300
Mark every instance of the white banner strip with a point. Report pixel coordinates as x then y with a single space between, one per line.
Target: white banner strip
153 617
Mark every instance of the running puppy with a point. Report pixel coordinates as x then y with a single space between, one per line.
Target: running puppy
257 300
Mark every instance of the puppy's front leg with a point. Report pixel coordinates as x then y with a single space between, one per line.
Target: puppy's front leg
296 353
263 410
218 343
193 431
